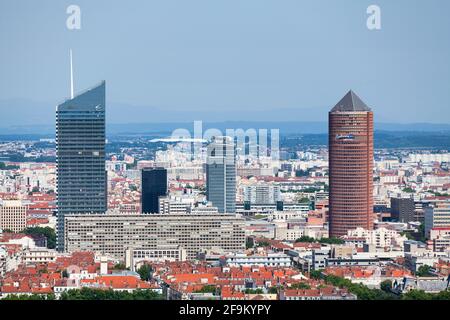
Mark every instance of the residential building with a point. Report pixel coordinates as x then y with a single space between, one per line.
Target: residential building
13 215
270 259
439 239
262 194
437 217
380 238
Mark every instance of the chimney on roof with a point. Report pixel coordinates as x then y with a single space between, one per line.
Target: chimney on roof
103 265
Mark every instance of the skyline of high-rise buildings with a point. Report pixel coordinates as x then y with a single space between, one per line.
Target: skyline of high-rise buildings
350 166
81 174
80 156
247 218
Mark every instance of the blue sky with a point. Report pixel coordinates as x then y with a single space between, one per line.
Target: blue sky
227 59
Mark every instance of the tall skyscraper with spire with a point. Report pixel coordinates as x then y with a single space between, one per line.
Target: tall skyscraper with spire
350 166
221 174
80 156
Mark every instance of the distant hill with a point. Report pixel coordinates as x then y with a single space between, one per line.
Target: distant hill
21 116
286 127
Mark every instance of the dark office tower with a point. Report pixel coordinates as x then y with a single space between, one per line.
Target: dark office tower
154 185
402 209
280 206
80 156
221 174
350 166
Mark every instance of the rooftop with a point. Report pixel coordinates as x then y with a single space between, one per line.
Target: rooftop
351 103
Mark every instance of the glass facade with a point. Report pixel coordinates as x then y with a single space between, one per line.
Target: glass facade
154 185
80 156
221 174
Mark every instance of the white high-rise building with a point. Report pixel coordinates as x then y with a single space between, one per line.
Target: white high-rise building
437 217
114 233
262 194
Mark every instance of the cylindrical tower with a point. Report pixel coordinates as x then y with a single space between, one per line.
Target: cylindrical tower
350 166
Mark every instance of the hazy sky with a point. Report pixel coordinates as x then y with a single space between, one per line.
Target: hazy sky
226 59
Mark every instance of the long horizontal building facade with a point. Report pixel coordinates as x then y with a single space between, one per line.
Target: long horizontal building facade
114 233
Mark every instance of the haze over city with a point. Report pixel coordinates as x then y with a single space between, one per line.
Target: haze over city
203 60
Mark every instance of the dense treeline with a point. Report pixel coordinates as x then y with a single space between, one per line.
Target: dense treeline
97 294
322 240
93 294
30 297
365 293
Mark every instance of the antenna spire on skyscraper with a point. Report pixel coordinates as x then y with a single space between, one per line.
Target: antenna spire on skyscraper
71 75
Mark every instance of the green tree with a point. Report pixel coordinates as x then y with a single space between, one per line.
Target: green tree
332 241
305 239
253 291
120 266
361 291
416 295
30 297
316 274
99 294
207 289
424 271
263 244
386 285
145 272
274 289
301 286
303 200
48 232
322 240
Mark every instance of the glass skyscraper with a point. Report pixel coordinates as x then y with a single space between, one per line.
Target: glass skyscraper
221 174
80 156
154 185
